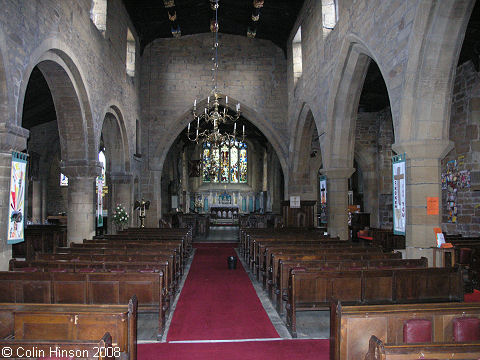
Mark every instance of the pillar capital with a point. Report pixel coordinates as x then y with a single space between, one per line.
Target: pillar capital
424 149
81 168
121 177
13 138
337 173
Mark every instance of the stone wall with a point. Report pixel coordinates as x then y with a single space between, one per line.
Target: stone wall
177 71
60 32
373 153
464 132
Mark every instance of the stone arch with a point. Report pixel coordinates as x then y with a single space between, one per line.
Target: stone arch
278 144
301 157
342 106
426 100
367 162
113 123
74 116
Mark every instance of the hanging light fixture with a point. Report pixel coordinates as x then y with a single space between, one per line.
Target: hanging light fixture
214 114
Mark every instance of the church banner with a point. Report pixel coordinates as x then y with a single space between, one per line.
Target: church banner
99 201
16 210
399 189
323 199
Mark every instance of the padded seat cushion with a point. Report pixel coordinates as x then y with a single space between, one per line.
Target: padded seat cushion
466 329
417 331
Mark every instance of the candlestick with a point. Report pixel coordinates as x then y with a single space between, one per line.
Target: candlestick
234 128
243 130
188 131
226 100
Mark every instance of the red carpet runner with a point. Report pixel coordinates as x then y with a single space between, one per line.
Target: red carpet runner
217 303
252 350
221 304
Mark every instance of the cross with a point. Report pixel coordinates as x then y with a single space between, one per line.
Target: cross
398 176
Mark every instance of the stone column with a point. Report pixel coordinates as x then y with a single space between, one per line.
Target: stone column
36 201
337 200
12 138
82 198
423 173
122 194
44 199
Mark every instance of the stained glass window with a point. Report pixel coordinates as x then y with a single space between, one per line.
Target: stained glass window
227 164
206 162
234 164
243 163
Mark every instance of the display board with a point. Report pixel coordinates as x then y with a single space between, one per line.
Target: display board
399 191
16 210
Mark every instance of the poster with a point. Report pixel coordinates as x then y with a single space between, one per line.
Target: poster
432 205
100 201
16 214
323 200
398 177
295 202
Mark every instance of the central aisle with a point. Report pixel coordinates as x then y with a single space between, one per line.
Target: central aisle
219 316
217 303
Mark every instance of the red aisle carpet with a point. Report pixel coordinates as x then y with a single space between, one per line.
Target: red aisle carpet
221 304
217 303
252 350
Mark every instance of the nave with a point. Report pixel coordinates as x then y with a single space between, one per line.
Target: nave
219 315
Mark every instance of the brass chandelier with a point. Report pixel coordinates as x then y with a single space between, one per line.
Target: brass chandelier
213 115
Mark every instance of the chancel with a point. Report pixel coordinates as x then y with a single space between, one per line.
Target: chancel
184 178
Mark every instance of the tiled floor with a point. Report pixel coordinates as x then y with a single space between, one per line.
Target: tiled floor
310 324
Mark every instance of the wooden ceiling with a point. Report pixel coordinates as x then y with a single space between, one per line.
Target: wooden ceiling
151 20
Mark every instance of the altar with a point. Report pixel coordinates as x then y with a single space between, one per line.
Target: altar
224 211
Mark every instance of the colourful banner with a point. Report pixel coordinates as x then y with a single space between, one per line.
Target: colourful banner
16 210
399 200
323 200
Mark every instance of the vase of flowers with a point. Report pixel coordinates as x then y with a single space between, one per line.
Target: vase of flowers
120 217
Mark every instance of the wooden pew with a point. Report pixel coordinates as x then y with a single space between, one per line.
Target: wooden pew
377 350
98 267
285 266
79 349
351 327
87 288
52 322
315 290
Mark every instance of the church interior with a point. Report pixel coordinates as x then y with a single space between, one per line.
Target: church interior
199 179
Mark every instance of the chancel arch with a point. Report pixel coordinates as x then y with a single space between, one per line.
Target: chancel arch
199 177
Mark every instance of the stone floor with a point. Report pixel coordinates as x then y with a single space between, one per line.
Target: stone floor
220 234
310 324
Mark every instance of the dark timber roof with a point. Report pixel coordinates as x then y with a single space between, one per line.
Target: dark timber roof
151 20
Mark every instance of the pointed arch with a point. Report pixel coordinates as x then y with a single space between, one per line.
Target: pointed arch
342 106
426 99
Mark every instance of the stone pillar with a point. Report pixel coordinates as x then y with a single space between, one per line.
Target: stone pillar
82 198
423 173
370 196
44 199
36 201
12 138
265 172
122 194
337 200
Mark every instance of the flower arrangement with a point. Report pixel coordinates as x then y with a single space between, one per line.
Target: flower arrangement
120 216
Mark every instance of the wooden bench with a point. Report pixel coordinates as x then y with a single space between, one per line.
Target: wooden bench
80 325
87 288
351 328
315 290
377 350
44 349
284 267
